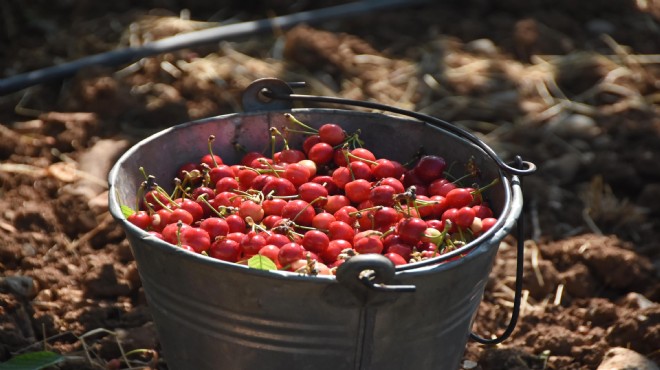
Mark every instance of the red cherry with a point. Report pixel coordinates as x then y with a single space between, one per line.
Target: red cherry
464 217
313 192
482 211
487 224
396 259
299 211
235 223
321 153
225 249
196 238
226 184
309 142
458 198
182 215
260 181
160 219
360 170
249 208
394 183
277 239
222 171
341 176
384 168
156 198
315 241
411 229
271 251
192 207
296 173
339 157
430 167
341 230
227 199
368 244
279 186
215 227
382 195
358 190
273 206
291 156
347 214
402 250
332 134
140 219
362 155
252 245
209 160
335 203
335 247
250 157
271 221
290 253
323 220
328 183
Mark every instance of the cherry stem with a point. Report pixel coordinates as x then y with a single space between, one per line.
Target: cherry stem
210 141
348 161
179 226
287 130
144 173
140 195
374 208
264 161
203 199
277 132
362 159
353 139
294 120
308 205
388 232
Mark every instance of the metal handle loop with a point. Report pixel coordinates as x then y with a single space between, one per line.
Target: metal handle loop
520 261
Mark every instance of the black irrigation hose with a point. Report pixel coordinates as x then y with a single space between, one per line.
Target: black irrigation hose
215 34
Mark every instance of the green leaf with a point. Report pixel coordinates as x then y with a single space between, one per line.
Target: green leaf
126 211
261 263
32 361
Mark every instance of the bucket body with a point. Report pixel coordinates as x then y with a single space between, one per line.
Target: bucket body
211 314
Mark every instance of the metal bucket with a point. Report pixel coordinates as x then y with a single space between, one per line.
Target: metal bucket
216 315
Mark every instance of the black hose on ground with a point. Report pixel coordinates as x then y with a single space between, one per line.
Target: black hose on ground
215 34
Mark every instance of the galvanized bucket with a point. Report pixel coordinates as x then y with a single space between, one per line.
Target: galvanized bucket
216 315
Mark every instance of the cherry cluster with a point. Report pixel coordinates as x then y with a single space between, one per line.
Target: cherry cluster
309 209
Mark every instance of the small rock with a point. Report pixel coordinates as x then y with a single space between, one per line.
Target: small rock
482 46
574 125
637 300
20 285
619 358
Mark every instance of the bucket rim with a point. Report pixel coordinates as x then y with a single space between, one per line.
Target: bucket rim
480 245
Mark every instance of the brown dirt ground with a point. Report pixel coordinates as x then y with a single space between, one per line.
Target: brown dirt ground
571 86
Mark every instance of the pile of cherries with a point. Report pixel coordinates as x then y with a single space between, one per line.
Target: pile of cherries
308 210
